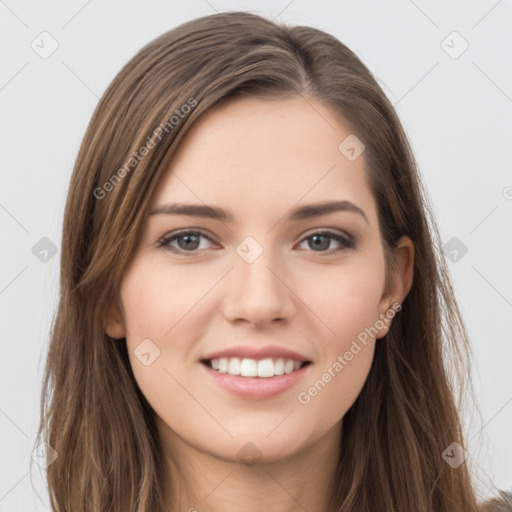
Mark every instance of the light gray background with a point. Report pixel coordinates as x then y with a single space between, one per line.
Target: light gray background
457 113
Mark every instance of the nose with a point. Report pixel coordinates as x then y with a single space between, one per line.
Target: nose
257 292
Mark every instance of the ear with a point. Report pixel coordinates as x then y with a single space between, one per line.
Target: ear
114 323
399 283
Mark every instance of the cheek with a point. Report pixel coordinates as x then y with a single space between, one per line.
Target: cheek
165 311
158 301
350 309
346 299
348 302
334 388
158 306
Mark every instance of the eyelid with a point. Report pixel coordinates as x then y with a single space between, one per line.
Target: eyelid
326 231
172 235
347 241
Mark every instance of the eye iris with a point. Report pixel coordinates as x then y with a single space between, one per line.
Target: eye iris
195 242
320 245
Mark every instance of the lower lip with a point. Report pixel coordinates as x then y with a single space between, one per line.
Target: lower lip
256 388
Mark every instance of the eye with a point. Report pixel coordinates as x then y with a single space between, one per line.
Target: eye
188 241
322 240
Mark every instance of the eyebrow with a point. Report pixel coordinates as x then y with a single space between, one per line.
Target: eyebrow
300 213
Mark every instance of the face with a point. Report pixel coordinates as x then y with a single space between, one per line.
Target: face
260 284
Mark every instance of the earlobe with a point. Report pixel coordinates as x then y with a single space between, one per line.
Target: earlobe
114 324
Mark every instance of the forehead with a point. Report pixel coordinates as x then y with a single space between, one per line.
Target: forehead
258 155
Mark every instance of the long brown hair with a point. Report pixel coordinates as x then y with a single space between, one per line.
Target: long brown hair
92 411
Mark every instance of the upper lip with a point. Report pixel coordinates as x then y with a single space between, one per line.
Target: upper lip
257 353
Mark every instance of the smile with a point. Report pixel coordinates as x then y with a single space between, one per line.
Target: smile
277 375
247 367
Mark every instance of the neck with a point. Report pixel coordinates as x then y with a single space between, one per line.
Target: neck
203 482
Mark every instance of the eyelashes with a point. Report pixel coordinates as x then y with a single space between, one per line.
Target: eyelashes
318 239
171 237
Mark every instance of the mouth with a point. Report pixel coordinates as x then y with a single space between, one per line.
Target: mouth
255 379
247 367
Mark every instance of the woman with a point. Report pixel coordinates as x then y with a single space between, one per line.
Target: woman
254 300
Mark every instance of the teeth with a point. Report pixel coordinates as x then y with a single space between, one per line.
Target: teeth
234 366
252 368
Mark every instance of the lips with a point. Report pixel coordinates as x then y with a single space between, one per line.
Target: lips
256 372
256 388
257 353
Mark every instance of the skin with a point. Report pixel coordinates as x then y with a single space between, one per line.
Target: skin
258 159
